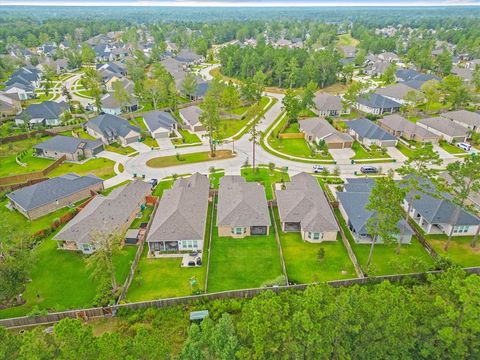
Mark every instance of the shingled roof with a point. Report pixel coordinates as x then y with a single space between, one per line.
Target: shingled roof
369 130
110 125
67 144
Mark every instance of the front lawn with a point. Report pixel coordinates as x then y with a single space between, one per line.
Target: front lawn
117 148
149 141
229 127
450 148
83 134
404 149
187 138
183 159
100 167
303 265
459 249
361 153
266 177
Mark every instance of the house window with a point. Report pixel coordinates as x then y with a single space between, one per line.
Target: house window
460 229
239 231
314 235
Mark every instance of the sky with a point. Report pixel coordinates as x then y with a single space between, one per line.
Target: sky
250 3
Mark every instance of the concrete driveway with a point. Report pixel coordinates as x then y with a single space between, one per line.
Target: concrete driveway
396 154
113 156
140 147
342 156
165 144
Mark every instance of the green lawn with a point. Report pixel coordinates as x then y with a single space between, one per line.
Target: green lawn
266 177
19 146
412 257
147 212
138 121
404 149
187 138
450 148
243 263
173 160
459 249
302 262
229 127
60 280
83 134
149 141
117 148
347 39
100 167
9 165
215 179
361 153
161 186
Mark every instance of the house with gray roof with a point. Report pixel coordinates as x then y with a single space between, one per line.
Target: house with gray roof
181 217
160 124
410 74
188 57
396 92
468 119
50 195
10 104
24 92
103 215
368 133
110 128
303 207
26 75
400 127
242 208
47 113
377 68
348 51
448 130
316 130
329 105
376 104
437 214
352 205
191 118
111 105
113 67
74 148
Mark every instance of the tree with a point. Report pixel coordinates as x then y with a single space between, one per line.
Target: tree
190 85
417 170
412 99
210 118
293 105
121 94
153 91
384 202
444 63
347 71
464 179
230 98
476 78
15 265
74 341
88 55
455 90
431 91
352 93
48 76
360 57
388 77
255 135
308 95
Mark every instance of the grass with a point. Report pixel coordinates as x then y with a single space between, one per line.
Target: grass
138 121
60 280
243 263
215 179
404 149
361 153
100 167
173 160
303 265
149 141
147 212
19 146
412 258
450 148
187 138
9 165
122 150
229 127
266 178
459 249
347 39
83 134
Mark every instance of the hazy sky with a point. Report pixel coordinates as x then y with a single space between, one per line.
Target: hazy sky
242 2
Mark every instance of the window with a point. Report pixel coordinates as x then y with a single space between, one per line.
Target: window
460 229
239 231
316 236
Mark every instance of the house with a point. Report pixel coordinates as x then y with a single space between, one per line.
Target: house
467 119
316 129
10 105
303 207
180 220
410 74
50 195
47 113
242 208
103 53
103 214
160 124
74 148
465 73
396 92
329 105
368 133
348 51
28 76
191 116
400 127
111 105
176 69
445 128
188 57
59 65
389 57
111 128
439 215
113 67
473 197
22 91
377 68
376 104
352 205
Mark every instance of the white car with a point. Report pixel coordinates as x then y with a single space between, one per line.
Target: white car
464 146
318 168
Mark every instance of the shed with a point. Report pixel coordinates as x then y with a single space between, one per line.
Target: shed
198 315
131 236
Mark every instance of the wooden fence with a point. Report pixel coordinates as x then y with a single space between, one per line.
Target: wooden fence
24 136
15 179
25 321
421 239
12 187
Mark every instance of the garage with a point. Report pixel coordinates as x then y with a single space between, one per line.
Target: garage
258 230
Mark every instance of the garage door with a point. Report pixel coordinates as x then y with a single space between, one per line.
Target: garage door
258 230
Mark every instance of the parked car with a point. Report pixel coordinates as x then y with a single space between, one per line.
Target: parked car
369 170
153 182
318 168
464 146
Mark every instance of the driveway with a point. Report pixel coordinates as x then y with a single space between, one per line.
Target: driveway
342 156
396 154
113 156
140 147
165 144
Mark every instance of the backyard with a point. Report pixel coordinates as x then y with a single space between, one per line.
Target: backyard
100 167
183 159
459 249
33 163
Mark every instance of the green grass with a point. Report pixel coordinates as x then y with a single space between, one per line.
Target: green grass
361 153
303 265
404 149
215 179
243 263
412 258
161 187
19 146
347 39
83 134
117 148
9 165
187 138
100 167
173 160
266 178
230 127
138 121
306 113
450 148
147 212
60 280
149 141
459 249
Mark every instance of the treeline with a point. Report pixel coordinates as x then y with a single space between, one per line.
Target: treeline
282 67
439 319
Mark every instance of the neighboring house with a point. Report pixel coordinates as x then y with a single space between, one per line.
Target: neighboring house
113 67
74 149
180 220
468 119
376 104
368 133
465 73
191 118
410 74
188 57
103 53
50 195
352 206
377 68
59 66
396 92
28 76
316 129
24 92
110 128
160 124
348 51
111 105
10 105
437 214
242 208
447 129
47 113
103 214
176 69
303 207
400 127
329 105
473 197
389 57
